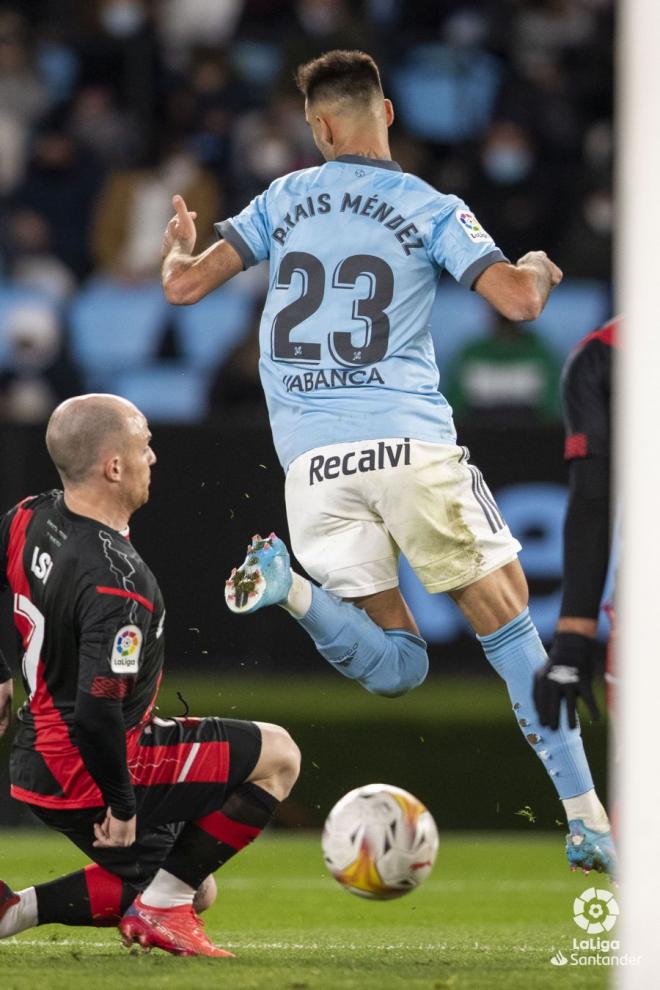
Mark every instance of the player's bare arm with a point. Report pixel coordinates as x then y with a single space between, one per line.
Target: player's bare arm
520 291
187 278
6 693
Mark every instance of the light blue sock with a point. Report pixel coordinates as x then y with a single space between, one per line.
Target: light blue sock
384 661
516 652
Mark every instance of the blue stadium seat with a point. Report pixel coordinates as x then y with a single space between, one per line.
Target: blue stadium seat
443 94
457 318
208 330
575 308
255 60
116 325
13 298
165 391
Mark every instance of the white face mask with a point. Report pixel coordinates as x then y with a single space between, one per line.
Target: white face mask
121 18
599 214
507 164
272 158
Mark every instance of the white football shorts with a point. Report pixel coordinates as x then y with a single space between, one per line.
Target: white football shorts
353 508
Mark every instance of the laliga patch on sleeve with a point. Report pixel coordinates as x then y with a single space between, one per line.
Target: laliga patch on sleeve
125 655
471 226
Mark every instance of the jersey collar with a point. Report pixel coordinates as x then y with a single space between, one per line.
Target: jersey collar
371 162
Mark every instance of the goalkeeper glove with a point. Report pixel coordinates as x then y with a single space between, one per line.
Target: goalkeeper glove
565 677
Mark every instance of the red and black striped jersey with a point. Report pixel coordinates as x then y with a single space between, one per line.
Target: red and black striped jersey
586 394
89 616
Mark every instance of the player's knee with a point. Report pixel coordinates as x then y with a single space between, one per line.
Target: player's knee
279 762
407 672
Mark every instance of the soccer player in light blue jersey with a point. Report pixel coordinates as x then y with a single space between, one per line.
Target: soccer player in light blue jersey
364 435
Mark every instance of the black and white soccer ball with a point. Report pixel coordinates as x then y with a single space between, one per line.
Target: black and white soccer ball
379 842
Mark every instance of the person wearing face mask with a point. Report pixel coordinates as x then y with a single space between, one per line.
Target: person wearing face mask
512 189
586 243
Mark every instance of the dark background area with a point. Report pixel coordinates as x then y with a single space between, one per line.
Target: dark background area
212 488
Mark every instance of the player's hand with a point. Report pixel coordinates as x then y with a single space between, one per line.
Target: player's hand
181 229
566 676
540 259
6 694
112 833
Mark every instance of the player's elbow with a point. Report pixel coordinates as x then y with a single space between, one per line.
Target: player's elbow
526 304
181 291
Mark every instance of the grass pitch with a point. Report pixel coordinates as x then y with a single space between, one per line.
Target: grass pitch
491 916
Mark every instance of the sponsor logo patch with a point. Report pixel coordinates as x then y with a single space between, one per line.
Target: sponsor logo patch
471 226
126 648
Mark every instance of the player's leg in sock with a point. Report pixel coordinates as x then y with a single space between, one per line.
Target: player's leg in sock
91 896
496 607
387 661
208 843
516 652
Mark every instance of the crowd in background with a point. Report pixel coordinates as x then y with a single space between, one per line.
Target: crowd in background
109 106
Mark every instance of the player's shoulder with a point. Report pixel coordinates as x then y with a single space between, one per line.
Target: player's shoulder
596 346
605 336
425 197
23 513
294 182
590 362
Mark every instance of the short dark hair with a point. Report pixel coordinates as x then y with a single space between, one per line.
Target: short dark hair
338 74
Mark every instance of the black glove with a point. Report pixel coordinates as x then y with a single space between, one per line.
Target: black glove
566 676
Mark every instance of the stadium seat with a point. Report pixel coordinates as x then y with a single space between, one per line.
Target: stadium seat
207 331
165 391
12 300
255 60
575 308
457 318
116 325
443 94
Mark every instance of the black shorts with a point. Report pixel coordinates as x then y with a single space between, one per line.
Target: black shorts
182 770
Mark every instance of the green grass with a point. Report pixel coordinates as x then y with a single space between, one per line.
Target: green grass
489 918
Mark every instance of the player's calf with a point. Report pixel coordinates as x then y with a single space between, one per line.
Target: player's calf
388 662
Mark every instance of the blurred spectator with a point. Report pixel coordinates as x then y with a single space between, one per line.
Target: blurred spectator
99 124
118 47
515 191
61 183
598 153
40 374
515 117
236 386
508 377
30 259
271 142
186 24
23 97
585 247
215 98
320 25
136 204
554 25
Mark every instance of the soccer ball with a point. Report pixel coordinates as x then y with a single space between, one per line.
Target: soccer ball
379 842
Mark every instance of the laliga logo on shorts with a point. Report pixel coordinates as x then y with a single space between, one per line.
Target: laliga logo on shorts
595 911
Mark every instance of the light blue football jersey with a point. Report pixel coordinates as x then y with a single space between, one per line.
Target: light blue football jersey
355 248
